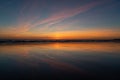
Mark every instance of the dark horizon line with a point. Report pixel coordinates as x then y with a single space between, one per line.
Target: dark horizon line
56 40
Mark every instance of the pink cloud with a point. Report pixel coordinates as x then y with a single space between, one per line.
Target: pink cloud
57 17
64 14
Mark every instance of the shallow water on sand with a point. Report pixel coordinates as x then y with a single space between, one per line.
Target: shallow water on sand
60 60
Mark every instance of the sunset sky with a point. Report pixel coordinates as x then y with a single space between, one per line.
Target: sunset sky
59 19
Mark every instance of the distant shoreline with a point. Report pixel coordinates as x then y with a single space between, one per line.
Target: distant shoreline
12 41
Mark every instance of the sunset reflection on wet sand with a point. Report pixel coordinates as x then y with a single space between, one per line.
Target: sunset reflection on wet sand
82 60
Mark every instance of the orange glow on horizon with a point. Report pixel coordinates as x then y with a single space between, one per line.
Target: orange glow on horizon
85 35
88 34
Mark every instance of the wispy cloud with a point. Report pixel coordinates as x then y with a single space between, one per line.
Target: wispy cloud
65 14
55 18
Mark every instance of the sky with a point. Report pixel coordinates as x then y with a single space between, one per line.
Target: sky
59 19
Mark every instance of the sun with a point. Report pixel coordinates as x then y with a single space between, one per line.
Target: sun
56 36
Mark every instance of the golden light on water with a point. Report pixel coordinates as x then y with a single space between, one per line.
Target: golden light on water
25 48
